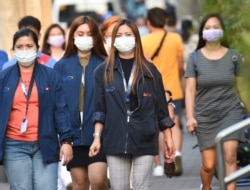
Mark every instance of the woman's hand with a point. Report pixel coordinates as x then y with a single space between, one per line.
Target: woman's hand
169 165
191 125
95 147
170 153
168 140
66 153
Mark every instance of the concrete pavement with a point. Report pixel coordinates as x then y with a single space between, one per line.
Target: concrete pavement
189 180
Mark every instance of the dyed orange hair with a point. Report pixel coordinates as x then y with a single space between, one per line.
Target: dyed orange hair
108 22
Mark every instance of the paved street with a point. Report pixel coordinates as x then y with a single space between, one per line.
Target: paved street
189 180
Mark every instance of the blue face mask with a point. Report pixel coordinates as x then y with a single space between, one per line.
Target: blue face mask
212 35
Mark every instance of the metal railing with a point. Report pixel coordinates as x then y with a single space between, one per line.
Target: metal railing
223 179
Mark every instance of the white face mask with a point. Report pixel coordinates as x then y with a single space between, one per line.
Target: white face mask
125 44
84 43
25 57
108 42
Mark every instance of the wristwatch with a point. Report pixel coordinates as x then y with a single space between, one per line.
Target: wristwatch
96 134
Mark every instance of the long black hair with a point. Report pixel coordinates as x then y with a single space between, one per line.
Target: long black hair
202 42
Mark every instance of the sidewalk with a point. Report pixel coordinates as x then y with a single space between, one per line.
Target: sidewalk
189 180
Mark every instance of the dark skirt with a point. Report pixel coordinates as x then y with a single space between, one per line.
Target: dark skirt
81 157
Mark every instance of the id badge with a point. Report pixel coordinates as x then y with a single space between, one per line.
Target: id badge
24 126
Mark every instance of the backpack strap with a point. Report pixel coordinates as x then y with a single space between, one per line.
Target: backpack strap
194 54
234 60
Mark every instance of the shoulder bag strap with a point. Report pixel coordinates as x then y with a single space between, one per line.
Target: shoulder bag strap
159 47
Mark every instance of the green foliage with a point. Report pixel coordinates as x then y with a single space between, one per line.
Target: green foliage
236 14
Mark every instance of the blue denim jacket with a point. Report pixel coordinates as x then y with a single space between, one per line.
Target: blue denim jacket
53 111
70 70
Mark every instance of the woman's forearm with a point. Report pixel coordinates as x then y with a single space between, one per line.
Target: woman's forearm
190 94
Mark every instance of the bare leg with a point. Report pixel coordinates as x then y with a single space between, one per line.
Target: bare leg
177 137
79 177
98 176
208 167
157 160
177 134
230 152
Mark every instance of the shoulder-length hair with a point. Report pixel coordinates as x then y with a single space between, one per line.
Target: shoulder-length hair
46 45
140 60
98 47
202 42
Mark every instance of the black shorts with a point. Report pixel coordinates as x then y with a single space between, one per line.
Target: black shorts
81 157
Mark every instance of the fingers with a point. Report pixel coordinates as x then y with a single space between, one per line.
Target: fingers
66 154
65 160
191 129
93 152
169 151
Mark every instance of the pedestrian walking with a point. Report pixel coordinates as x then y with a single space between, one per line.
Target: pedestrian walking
107 29
54 41
34 24
166 52
130 109
84 52
212 101
35 120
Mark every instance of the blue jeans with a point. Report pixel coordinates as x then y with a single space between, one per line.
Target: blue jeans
24 167
178 107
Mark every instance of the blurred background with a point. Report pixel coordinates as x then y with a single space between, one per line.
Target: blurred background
63 11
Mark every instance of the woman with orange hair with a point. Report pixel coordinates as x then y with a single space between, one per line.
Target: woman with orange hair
107 29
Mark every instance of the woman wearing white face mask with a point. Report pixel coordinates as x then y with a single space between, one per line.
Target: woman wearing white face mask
107 29
84 52
35 118
54 41
212 102
130 109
